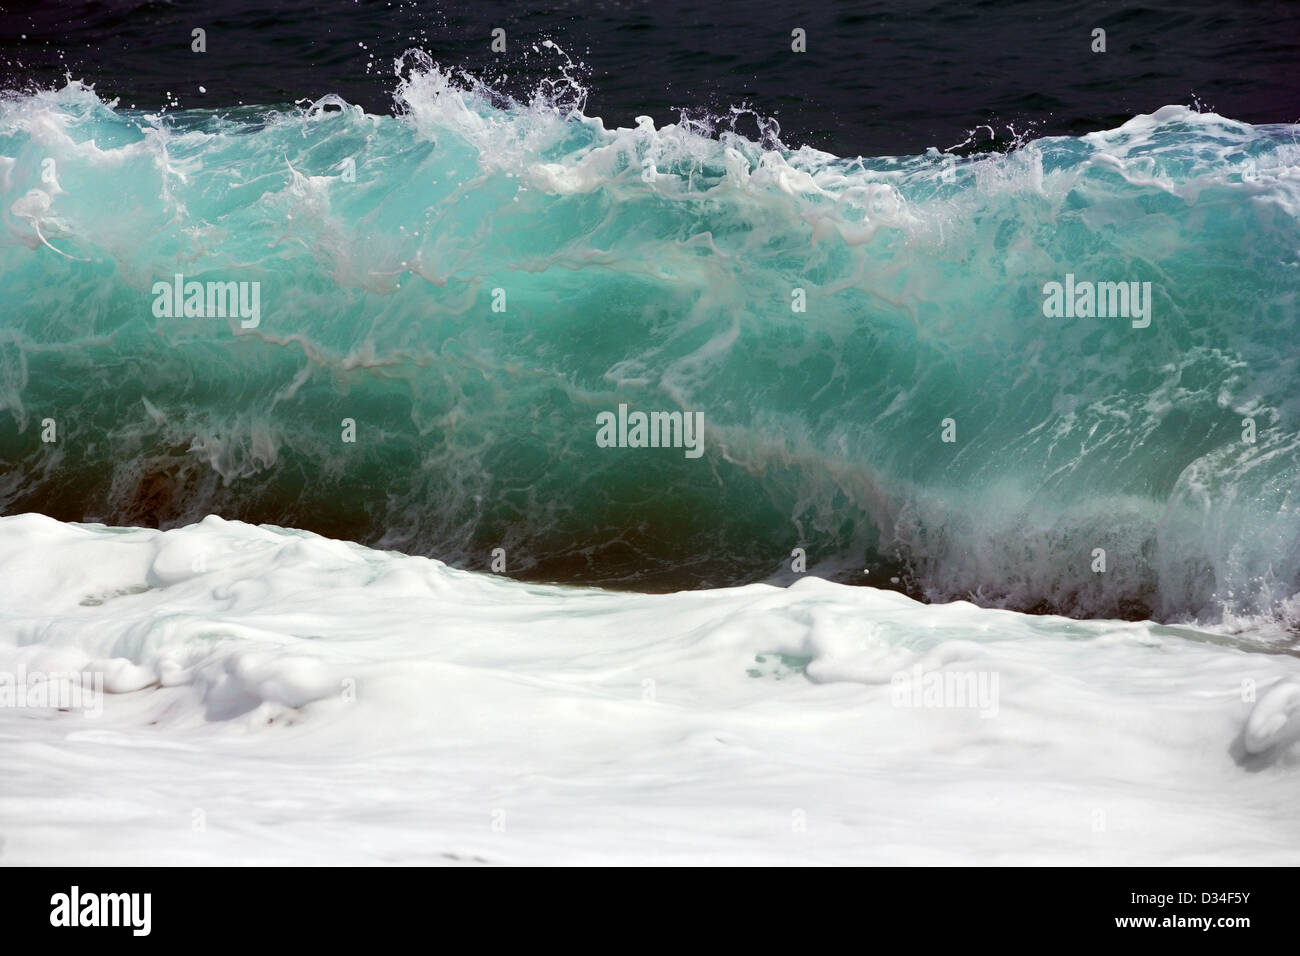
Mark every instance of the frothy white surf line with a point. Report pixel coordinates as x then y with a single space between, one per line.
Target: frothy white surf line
276 696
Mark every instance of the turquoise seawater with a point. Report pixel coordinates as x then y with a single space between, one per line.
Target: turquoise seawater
473 280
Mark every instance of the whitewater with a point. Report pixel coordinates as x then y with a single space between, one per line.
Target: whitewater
329 673
277 697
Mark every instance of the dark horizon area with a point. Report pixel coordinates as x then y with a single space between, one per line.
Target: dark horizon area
877 78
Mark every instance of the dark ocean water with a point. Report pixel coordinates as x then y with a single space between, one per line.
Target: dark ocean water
877 77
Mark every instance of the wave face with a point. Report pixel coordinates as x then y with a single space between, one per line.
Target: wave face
657 268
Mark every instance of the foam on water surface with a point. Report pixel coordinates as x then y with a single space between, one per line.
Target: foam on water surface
273 696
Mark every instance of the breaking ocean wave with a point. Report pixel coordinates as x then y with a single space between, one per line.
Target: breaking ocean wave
867 341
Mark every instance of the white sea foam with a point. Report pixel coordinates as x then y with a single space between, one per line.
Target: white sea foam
274 696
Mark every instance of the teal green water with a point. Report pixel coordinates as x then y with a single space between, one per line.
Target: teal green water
657 269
